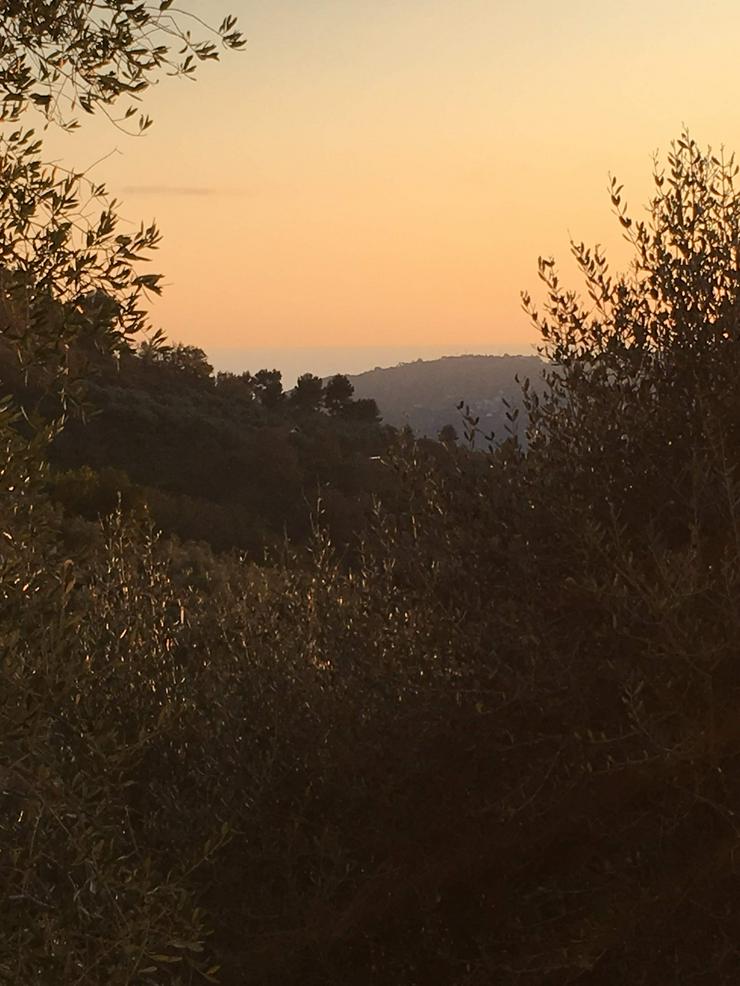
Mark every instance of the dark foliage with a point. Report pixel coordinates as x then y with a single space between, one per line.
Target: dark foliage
338 393
59 55
308 393
230 461
498 743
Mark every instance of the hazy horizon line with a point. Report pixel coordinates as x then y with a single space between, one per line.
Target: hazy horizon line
326 360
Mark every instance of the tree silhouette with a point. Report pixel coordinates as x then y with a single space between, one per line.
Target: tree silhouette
268 386
338 393
240 386
363 410
53 250
190 359
308 393
58 56
643 378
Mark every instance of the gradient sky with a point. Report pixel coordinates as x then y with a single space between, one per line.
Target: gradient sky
386 173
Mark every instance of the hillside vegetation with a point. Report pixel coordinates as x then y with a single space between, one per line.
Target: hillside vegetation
220 458
492 739
498 744
234 461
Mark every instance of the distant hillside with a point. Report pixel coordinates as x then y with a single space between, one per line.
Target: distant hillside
425 394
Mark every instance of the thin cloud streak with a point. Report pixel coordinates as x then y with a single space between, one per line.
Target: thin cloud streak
169 190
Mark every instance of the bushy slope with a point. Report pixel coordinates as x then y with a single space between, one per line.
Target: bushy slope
498 744
214 464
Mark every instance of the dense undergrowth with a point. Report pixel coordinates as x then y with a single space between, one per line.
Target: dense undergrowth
499 746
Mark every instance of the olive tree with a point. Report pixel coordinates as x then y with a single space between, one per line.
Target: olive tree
62 54
91 892
643 369
69 275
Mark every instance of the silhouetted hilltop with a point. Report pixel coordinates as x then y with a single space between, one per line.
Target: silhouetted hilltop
425 394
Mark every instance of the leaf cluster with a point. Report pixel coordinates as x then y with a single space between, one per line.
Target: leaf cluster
57 55
69 277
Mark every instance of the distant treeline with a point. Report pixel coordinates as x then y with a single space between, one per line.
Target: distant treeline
229 459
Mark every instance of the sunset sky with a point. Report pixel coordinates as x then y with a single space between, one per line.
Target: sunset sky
386 173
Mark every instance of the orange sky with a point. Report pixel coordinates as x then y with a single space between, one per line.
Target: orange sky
387 172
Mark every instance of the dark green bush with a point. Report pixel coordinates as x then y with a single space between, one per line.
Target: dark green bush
498 745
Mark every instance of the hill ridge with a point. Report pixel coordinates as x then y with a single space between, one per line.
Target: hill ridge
424 394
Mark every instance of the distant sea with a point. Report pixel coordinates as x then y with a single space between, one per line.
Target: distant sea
324 361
